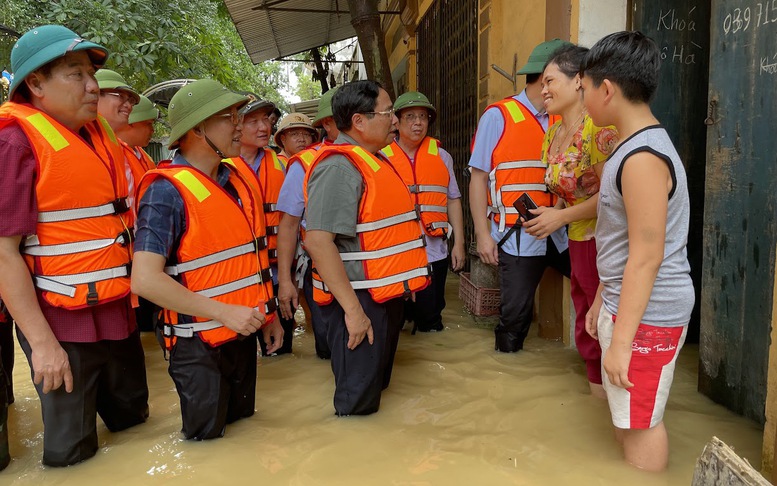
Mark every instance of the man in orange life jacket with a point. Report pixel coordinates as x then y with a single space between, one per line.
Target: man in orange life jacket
366 244
291 204
200 254
505 163
268 170
427 170
64 255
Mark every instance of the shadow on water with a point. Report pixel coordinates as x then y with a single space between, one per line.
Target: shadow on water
456 413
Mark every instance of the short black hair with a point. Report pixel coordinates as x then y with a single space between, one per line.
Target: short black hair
629 59
569 59
352 98
532 78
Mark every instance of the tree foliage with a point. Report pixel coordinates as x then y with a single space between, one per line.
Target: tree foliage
154 41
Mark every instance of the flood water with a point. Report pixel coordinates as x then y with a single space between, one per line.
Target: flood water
456 413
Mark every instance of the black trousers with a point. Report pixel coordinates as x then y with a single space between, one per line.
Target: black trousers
7 356
5 400
217 386
288 326
520 278
362 373
109 379
426 311
320 327
146 315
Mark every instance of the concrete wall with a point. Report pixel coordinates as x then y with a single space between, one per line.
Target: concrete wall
597 18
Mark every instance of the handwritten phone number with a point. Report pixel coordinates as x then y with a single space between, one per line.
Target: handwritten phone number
740 19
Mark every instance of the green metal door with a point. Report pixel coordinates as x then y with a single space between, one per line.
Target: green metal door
739 216
681 29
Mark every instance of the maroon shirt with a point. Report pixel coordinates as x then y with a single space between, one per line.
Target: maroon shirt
18 217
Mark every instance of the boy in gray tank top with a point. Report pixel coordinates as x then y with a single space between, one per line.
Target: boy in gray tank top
641 238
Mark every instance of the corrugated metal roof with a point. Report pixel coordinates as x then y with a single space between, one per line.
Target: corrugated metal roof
270 34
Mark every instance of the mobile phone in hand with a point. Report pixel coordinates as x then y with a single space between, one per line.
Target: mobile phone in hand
523 204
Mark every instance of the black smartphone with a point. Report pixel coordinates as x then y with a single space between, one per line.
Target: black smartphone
523 204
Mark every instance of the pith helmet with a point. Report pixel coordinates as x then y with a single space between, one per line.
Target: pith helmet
256 103
143 111
294 120
195 103
415 99
324 107
41 45
540 55
107 79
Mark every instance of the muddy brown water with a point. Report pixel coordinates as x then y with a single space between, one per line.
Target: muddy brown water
456 413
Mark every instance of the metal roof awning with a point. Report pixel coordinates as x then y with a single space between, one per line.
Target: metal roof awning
273 29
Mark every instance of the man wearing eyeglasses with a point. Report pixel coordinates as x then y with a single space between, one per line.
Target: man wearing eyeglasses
201 255
427 170
64 255
366 245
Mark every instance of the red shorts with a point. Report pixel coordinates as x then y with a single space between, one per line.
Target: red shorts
651 370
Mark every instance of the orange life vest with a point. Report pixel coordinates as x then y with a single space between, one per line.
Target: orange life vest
392 251
516 165
306 158
222 254
81 251
272 171
138 166
427 178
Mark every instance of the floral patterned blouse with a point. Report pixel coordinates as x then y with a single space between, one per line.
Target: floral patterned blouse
571 175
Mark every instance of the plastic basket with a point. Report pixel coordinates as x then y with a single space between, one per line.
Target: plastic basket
479 301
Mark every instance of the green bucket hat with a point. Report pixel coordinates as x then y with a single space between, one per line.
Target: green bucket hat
195 103
41 45
540 55
143 111
324 107
415 99
107 79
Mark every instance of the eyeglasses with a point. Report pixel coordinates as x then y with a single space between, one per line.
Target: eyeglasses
388 113
124 97
411 117
235 117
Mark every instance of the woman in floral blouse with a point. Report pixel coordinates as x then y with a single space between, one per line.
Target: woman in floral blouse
575 151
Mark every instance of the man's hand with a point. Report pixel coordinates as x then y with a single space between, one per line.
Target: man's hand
616 364
288 297
50 365
592 318
547 221
358 325
273 335
458 257
487 250
241 319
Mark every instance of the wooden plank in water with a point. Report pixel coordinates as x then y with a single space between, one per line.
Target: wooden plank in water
719 465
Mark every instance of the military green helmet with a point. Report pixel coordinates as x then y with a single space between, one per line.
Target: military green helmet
195 103
143 111
324 107
539 56
107 79
415 99
41 45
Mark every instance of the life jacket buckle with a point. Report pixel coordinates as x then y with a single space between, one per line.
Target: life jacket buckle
167 330
124 238
91 296
260 243
120 206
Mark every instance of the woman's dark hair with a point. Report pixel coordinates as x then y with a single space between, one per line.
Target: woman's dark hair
629 59
352 98
569 58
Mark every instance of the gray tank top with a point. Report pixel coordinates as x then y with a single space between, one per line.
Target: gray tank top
672 298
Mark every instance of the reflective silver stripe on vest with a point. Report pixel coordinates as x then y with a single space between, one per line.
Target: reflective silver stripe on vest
524 188
188 330
210 259
382 253
64 284
79 213
272 230
232 286
415 189
270 207
440 224
33 248
521 164
386 222
379 282
427 208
